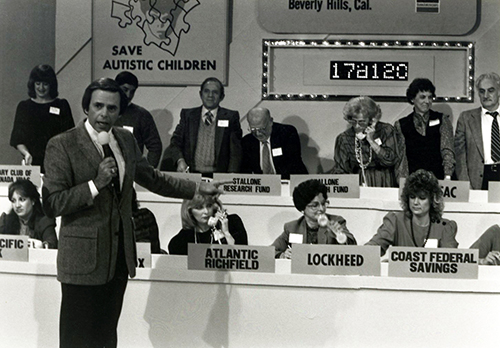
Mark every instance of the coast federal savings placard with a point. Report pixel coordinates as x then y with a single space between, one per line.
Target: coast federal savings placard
237 258
250 184
336 259
162 42
338 185
11 173
433 263
13 248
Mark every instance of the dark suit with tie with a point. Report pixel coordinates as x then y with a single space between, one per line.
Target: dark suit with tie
185 138
97 243
469 150
284 137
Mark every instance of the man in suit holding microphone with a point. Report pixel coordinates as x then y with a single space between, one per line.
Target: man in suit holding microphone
90 170
477 137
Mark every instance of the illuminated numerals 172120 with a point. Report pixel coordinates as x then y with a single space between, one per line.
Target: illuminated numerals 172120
361 70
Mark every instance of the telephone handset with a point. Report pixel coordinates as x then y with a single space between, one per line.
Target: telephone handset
216 224
362 135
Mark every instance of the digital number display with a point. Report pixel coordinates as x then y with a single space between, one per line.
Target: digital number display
361 70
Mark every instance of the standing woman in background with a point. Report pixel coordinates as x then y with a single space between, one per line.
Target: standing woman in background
41 117
425 135
368 147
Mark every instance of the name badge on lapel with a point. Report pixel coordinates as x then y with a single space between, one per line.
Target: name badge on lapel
223 123
433 123
277 152
54 110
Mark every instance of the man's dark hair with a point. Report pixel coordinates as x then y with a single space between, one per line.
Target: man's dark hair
104 84
213 79
126 77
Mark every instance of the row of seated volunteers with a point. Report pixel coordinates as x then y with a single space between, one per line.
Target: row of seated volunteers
209 138
90 169
206 221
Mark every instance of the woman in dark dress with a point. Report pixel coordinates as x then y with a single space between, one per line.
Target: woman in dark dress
41 117
204 220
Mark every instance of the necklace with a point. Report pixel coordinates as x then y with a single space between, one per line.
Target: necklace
358 150
413 234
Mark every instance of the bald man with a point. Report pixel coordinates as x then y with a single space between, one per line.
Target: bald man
271 148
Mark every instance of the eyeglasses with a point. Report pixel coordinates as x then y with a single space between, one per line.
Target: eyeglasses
361 123
316 205
259 129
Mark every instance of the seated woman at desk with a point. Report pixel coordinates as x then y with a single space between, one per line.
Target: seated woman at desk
204 220
368 147
489 246
420 224
315 226
27 218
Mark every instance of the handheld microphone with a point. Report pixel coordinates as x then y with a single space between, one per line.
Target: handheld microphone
103 138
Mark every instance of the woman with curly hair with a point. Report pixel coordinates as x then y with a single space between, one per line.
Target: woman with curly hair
27 218
205 221
368 147
420 224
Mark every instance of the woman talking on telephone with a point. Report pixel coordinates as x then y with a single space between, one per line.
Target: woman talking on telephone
368 147
204 220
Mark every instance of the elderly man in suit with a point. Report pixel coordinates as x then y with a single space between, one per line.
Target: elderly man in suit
271 148
477 137
207 138
90 170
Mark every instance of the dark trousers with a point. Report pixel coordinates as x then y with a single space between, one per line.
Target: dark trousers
89 314
491 173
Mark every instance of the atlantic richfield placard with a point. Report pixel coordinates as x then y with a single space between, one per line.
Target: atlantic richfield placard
238 258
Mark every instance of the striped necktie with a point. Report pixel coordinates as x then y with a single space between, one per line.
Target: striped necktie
209 118
495 138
